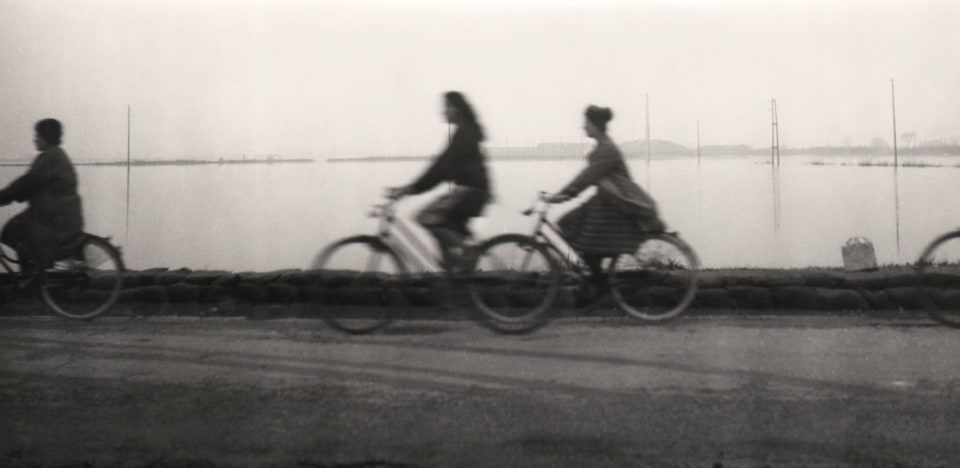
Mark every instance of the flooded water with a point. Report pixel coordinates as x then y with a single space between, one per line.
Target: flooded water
277 216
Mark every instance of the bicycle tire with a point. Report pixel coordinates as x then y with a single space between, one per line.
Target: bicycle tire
513 282
658 281
87 290
939 267
355 292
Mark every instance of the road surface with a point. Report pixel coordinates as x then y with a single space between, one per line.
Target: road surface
720 391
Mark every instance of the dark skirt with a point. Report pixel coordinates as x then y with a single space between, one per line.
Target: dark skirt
599 227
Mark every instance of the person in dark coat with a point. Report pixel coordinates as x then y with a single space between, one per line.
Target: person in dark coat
614 220
54 214
462 164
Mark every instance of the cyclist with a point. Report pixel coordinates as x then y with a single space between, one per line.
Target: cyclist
614 219
54 213
463 164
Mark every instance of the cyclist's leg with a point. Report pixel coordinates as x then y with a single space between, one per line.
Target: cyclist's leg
450 241
470 205
597 283
447 218
19 235
433 217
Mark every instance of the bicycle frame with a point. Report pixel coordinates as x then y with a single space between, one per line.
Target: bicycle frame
546 232
394 232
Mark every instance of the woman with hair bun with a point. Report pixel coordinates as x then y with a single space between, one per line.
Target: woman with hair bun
614 220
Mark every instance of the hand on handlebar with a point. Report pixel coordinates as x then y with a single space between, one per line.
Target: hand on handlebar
396 193
556 198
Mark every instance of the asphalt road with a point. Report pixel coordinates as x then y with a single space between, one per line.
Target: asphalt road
772 391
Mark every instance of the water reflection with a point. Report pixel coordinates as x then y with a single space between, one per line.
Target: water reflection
267 217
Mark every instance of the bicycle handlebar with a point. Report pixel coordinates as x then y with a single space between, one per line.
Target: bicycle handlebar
384 209
541 199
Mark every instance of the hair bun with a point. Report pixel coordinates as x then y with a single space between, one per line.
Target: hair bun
599 114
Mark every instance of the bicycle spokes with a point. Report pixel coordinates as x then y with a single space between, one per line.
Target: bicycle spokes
658 281
514 281
88 284
939 265
364 285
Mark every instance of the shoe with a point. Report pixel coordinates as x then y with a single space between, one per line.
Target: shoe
592 290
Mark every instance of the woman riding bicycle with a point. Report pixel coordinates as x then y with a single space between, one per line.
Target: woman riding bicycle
463 164
54 215
614 220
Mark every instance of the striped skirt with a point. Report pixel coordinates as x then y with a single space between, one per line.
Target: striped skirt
599 227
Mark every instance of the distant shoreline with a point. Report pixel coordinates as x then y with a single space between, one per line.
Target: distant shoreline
661 149
173 162
663 156
423 158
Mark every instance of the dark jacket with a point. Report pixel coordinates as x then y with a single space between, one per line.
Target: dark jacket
462 163
50 188
608 171
604 160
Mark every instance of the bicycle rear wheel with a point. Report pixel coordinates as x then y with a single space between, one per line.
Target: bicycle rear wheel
513 281
361 277
89 285
658 281
939 267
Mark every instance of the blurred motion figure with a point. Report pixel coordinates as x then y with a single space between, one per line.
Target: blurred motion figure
54 214
464 165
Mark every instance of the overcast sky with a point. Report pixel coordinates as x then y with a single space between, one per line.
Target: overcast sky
222 78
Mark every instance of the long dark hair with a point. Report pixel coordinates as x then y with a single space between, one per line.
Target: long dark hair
468 116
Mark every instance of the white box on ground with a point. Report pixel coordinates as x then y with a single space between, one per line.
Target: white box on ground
858 254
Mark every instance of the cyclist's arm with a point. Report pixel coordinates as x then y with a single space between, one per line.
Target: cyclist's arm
436 173
447 163
22 188
600 165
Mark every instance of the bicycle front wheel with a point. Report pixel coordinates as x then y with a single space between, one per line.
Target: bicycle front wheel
87 286
939 267
513 281
361 278
658 281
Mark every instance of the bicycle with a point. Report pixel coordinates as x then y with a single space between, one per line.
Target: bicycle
82 283
655 283
939 266
366 280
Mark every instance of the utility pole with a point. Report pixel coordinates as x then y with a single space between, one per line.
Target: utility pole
648 138
699 184
775 135
775 163
698 144
896 164
893 103
126 232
